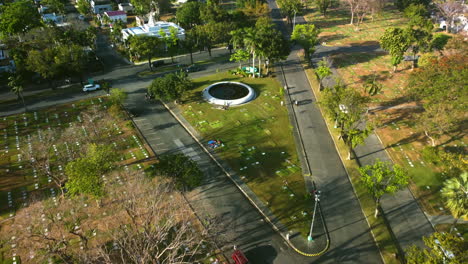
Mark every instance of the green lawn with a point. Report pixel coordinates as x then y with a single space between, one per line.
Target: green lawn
258 144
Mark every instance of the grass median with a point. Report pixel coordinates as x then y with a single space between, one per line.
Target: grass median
258 144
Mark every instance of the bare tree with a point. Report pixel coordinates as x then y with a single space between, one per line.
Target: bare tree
152 229
450 9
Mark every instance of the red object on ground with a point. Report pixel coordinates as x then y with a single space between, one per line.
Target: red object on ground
239 257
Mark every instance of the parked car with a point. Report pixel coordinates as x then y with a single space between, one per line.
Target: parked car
158 63
91 87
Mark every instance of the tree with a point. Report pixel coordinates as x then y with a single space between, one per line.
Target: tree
145 46
182 169
170 87
403 4
43 62
57 6
440 248
84 174
15 82
239 56
354 5
322 6
306 36
71 59
188 15
322 71
396 41
210 34
171 40
290 8
439 82
84 7
450 9
372 86
416 10
18 17
347 107
212 13
439 40
455 192
380 178
117 96
189 43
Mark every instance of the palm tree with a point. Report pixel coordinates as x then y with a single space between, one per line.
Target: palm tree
16 85
250 41
455 192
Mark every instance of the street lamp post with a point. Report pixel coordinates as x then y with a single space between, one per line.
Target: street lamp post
317 195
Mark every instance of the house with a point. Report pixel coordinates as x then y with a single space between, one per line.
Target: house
53 18
6 63
153 28
127 7
116 16
100 6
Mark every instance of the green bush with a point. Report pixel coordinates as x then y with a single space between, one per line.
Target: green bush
129 124
430 155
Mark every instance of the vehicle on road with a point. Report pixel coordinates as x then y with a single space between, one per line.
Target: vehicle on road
192 68
91 87
158 63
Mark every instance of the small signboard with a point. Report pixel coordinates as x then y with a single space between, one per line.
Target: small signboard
239 257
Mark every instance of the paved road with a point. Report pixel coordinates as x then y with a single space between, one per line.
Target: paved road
350 237
402 211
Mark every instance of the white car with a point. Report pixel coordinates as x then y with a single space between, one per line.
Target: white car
91 87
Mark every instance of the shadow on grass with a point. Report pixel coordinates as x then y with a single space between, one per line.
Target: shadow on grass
343 60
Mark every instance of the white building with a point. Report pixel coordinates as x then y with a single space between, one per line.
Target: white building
100 6
153 29
127 7
116 15
6 63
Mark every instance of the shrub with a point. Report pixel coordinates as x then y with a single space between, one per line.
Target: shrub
430 155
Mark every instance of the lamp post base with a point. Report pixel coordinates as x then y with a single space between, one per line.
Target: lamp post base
309 238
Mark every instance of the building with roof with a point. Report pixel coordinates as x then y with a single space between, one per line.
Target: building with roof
153 29
127 7
116 16
100 6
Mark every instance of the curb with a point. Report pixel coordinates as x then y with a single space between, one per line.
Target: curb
346 169
243 192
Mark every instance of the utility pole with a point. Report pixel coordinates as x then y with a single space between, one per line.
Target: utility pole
316 198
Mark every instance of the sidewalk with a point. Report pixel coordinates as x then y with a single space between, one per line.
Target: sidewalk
402 211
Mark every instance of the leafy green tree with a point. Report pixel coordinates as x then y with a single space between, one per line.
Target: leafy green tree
416 10
18 17
210 34
15 82
85 173
455 192
170 87
71 60
171 40
396 41
381 178
441 81
372 86
212 13
188 15
117 96
347 108
307 36
83 7
144 46
322 71
57 6
43 62
182 169
439 40
189 43
239 56
403 4
289 8
440 248
322 5
251 43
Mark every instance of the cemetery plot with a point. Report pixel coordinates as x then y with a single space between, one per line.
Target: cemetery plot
257 142
62 132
